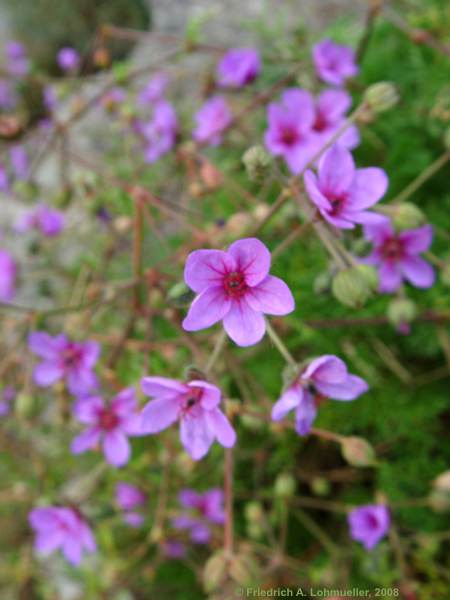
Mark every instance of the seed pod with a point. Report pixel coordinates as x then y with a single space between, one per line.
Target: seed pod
358 452
354 286
407 216
257 162
401 311
381 96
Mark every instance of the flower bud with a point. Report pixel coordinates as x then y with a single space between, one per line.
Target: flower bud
320 486
358 452
401 311
354 286
284 486
381 96
180 295
439 498
407 216
254 511
322 283
257 162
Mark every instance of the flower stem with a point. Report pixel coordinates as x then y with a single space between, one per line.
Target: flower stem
423 177
216 351
280 345
137 252
228 492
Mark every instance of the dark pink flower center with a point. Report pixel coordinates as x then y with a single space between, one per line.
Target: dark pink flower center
372 521
72 356
234 284
337 202
289 135
392 249
191 401
107 420
321 123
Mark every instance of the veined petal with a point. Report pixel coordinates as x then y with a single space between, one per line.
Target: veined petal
313 191
221 427
208 308
252 258
244 325
328 368
350 389
367 187
271 296
159 414
206 268
336 170
196 436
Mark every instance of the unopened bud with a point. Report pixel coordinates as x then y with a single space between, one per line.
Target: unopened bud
401 311
358 452
407 216
320 486
284 486
180 295
254 511
257 162
439 498
322 283
381 96
354 286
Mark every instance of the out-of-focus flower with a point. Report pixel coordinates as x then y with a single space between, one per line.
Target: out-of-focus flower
396 255
8 98
4 181
195 404
68 59
343 193
368 524
129 497
289 132
211 121
17 63
8 275
238 67
159 133
48 221
324 377
235 286
7 396
49 98
19 161
205 509
61 528
334 63
154 91
64 359
331 107
112 99
110 423
174 549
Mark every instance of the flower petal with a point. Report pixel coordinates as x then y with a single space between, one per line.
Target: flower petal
86 410
207 309
244 325
350 389
85 440
417 271
221 427
162 387
417 240
116 448
45 345
124 403
336 171
271 296
327 368
196 436
252 258
289 400
81 381
367 187
211 394
206 268
313 191
390 277
305 415
47 373
72 550
159 414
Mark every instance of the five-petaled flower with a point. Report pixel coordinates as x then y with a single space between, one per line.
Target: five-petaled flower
238 67
204 509
334 63
324 377
111 423
235 286
396 255
211 121
64 359
129 498
195 404
58 527
369 523
343 193
330 108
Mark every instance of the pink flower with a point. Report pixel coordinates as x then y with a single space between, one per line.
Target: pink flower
205 509
47 220
110 423
235 286
195 404
159 133
333 62
290 132
238 67
153 92
64 359
342 193
396 255
61 528
331 107
324 377
129 497
19 161
368 524
68 59
212 119
8 274
4 180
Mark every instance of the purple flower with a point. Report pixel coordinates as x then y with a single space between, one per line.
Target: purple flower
159 133
333 62
8 98
113 98
8 274
4 181
396 255
211 121
154 91
14 50
129 496
331 107
8 395
368 524
343 193
235 286
324 377
133 519
111 423
19 161
64 359
68 59
289 132
47 220
174 549
195 404
61 528
238 67
49 98
18 64
205 509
